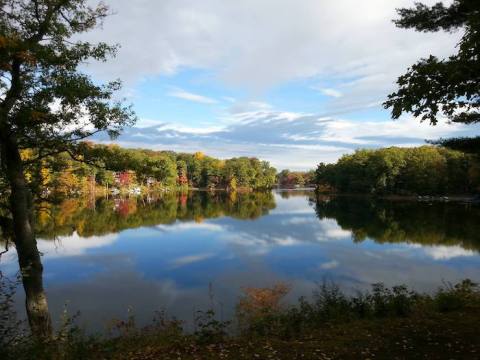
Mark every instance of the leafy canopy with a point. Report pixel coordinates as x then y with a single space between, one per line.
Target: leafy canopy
46 102
436 87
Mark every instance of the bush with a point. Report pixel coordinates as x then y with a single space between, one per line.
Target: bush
260 312
262 315
457 297
209 329
330 303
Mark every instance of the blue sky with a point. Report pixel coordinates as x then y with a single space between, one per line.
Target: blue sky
292 82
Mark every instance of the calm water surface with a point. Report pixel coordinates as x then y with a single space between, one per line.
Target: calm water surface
183 253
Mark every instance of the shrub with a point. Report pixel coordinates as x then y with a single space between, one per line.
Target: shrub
209 329
330 303
259 310
459 296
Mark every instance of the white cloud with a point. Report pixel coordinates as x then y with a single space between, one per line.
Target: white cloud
338 233
257 45
259 243
437 252
144 123
447 252
185 95
64 246
190 259
331 231
297 220
330 92
329 265
354 54
372 132
188 129
74 245
288 139
240 109
187 226
229 99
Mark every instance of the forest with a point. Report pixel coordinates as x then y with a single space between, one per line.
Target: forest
106 169
296 179
425 170
111 168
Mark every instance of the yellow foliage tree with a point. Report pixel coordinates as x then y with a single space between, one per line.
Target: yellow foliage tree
199 155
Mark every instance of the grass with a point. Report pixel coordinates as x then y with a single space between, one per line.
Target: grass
384 323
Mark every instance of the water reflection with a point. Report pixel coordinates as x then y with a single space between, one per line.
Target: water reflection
421 223
164 253
114 215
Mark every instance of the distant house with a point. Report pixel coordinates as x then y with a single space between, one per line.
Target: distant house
135 191
150 181
124 178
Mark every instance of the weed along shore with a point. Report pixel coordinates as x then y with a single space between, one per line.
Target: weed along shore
383 323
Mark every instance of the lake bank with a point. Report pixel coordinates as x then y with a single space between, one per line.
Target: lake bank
384 324
462 198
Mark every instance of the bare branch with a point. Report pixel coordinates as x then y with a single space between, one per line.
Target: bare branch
7 243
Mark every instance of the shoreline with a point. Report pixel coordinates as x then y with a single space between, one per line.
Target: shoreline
331 325
471 198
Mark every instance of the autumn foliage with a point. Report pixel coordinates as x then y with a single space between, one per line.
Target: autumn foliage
258 304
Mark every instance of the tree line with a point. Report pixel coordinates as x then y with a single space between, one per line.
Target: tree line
425 170
112 167
292 179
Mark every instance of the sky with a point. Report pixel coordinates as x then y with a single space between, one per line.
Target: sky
294 82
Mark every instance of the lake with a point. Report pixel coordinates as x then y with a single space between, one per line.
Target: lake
187 252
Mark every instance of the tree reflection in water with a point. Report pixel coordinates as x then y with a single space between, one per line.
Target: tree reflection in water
383 221
114 215
398 221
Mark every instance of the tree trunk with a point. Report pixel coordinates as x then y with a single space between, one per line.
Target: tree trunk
24 238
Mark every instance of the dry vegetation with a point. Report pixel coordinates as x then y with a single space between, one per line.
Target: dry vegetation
386 323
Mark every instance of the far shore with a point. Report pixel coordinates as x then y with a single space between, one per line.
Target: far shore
468 198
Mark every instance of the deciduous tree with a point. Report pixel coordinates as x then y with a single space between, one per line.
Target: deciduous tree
435 87
48 105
